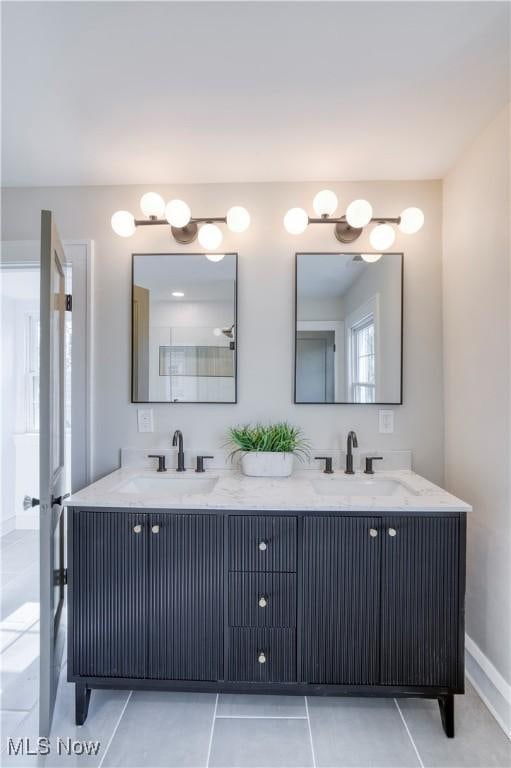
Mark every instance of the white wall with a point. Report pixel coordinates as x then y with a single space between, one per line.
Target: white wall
266 291
476 293
8 411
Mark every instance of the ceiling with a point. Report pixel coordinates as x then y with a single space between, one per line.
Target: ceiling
194 275
185 92
327 275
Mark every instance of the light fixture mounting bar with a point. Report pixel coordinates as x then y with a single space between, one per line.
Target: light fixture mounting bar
195 220
342 220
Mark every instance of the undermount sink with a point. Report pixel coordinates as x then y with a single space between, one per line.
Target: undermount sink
361 486
167 485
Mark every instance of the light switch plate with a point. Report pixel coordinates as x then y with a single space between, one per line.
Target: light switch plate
145 420
386 422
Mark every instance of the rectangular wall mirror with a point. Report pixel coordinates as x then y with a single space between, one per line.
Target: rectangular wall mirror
184 328
348 333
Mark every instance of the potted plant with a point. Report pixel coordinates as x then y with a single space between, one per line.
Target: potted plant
268 450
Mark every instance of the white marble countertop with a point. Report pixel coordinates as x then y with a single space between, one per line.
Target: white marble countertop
234 491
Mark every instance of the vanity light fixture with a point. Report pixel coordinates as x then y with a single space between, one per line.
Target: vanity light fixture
229 332
185 227
349 227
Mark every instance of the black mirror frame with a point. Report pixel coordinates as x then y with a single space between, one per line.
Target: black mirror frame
295 331
187 402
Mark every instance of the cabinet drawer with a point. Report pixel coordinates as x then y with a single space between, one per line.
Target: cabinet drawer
262 543
262 599
276 647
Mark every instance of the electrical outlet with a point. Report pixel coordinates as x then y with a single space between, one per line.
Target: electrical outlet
386 422
145 420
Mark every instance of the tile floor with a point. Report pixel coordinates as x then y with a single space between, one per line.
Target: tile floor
178 730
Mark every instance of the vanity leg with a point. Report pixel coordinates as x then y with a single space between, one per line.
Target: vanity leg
446 704
82 698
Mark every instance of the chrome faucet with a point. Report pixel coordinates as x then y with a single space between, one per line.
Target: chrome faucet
352 443
178 440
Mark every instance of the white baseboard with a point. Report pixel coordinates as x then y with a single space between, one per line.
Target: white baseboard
489 684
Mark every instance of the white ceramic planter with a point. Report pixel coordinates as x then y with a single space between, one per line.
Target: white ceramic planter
267 464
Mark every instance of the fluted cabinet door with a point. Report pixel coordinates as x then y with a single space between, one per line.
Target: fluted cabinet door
109 576
341 597
420 601
186 615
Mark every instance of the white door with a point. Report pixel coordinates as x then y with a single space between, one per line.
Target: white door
51 465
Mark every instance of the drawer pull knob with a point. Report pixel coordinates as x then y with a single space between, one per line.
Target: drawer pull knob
137 528
392 532
263 601
373 533
155 529
261 657
263 545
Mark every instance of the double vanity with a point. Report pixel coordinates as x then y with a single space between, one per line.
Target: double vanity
316 584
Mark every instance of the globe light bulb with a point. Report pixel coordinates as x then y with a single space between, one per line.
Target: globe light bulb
178 294
359 213
215 256
382 237
178 213
412 220
296 221
217 331
210 236
123 223
238 219
152 204
325 202
370 258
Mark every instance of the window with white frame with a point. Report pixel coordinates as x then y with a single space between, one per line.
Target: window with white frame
363 359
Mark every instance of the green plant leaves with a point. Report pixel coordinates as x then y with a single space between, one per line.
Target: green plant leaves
274 438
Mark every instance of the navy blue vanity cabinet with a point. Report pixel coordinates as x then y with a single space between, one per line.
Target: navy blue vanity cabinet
383 601
186 600
262 598
108 605
422 607
341 600
267 602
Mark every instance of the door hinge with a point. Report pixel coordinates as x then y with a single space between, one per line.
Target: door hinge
60 577
69 302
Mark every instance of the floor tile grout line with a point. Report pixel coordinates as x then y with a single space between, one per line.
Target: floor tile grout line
212 731
20 635
310 733
5 545
115 730
414 745
261 717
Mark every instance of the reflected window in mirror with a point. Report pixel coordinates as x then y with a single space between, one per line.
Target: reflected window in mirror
184 328
348 332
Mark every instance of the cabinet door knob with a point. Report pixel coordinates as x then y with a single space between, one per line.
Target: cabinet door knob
392 532
263 601
261 657
373 533
137 528
155 528
263 545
